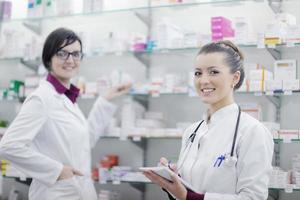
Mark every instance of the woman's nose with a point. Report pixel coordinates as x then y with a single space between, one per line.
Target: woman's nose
203 79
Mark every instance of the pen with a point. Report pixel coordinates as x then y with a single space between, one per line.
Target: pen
219 161
169 165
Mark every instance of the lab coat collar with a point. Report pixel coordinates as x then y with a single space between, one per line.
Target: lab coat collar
221 113
71 93
73 108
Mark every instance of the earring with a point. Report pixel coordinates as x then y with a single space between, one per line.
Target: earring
232 86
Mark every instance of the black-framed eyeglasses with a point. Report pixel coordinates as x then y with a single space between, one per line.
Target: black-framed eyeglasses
64 55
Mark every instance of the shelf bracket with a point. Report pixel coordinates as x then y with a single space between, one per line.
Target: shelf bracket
277 154
31 64
139 186
145 18
140 56
275 5
275 53
34 26
142 143
273 195
142 99
144 58
276 101
26 182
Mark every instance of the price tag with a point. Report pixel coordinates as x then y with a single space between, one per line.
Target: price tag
289 188
137 138
23 178
258 94
116 182
102 181
272 46
270 93
287 140
288 92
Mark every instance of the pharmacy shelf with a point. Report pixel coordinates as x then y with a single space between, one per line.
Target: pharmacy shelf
137 9
295 189
122 181
16 59
139 185
154 52
139 138
13 100
286 141
166 94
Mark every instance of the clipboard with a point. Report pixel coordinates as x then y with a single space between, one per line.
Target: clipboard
165 172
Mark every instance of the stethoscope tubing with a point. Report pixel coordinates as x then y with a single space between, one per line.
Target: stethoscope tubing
193 135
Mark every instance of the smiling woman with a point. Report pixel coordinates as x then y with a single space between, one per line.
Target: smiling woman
218 72
50 140
227 154
57 57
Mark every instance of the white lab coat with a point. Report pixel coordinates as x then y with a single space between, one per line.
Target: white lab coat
248 177
49 132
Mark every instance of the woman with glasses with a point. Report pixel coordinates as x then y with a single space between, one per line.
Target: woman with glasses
50 140
226 155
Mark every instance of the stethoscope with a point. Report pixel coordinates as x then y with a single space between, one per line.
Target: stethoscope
229 161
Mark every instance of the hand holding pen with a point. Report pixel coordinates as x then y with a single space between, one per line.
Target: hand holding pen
175 187
167 163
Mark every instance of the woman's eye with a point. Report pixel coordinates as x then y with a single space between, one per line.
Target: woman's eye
213 72
197 73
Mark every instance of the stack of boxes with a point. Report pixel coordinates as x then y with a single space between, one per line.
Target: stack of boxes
283 77
221 28
285 71
243 31
257 79
5 10
278 178
276 32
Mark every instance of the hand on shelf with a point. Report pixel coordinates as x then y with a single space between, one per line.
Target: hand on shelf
68 172
118 91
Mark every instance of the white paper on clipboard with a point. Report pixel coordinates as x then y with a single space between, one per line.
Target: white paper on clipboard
165 172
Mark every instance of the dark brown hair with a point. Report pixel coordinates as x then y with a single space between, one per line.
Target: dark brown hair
233 57
54 43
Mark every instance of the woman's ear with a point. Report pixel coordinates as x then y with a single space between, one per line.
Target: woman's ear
236 77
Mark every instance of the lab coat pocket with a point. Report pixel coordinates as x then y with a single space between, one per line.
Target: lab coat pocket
225 171
64 190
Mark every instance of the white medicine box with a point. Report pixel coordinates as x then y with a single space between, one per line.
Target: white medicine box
290 85
273 85
285 70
